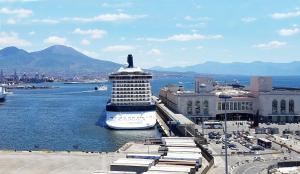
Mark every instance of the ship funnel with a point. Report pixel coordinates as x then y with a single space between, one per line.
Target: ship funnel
130 61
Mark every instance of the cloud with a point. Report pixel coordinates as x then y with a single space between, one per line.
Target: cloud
106 18
85 42
46 21
248 19
93 33
184 38
31 33
286 15
12 39
193 25
199 47
20 13
288 31
190 18
55 40
117 17
154 52
11 21
270 45
118 48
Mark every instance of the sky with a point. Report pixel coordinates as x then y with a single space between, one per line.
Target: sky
158 33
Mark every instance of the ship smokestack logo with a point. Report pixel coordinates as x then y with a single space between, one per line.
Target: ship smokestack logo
130 61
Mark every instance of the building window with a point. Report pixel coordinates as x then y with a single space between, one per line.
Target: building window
231 105
274 106
291 106
235 106
223 106
197 109
282 106
250 106
243 105
219 106
239 106
205 107
189 107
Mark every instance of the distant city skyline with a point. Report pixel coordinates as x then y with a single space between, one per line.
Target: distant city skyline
165 34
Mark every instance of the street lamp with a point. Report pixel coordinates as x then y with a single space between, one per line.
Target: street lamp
225 97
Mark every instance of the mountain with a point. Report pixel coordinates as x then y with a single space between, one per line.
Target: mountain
238 68
54 60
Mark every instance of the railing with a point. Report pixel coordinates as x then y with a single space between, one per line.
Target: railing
207 156
283 164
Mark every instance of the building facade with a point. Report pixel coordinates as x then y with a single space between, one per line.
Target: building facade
259 100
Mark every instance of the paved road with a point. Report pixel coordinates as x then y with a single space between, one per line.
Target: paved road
252 168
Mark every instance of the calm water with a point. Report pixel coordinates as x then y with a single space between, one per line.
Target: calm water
58 119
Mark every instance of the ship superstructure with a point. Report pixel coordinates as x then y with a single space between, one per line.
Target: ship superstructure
130 106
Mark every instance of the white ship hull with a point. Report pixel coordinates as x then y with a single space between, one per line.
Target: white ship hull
131 120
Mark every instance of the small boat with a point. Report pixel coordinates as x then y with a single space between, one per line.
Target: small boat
3 94
101 88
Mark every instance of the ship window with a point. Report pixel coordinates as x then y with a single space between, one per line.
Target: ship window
274 106
291 106
282 106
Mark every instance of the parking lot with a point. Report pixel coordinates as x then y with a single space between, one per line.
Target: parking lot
243 148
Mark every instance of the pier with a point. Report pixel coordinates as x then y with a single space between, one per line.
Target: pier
174 124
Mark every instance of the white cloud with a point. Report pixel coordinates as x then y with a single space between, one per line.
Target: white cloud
286 15
117 17
248 19
55 40
106 18
11 21
118 48
85 42
270 45
31 33
193 25
288 31
190 18
12 39
199 47
184 38
20 13
93 33
154 52
46 21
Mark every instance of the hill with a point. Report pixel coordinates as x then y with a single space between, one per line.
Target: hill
57 59
238 68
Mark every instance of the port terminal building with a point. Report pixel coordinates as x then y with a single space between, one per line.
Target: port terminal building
260 101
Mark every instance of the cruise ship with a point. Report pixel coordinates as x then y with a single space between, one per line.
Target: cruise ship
130 106
3 94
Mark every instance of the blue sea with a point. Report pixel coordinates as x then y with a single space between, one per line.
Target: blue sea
71 117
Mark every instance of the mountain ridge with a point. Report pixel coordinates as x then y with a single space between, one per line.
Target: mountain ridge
238 68
54 59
